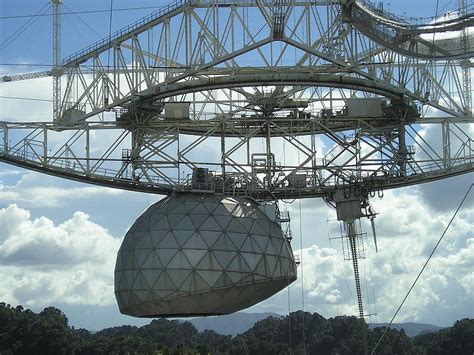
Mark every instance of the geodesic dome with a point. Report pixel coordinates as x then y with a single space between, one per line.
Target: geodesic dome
207 254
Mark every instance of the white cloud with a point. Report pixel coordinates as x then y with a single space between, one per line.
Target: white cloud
407 230
11 172
45 264
15 108
31 192
58 199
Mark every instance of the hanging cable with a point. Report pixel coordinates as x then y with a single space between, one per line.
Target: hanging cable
23 27
110 30
78 32
365 282
422 269
81 20
288 287
26 64
349 289
110 16
301 248
24 98
373 290
302 276
332 261
24 47
301 259
82 12
289 316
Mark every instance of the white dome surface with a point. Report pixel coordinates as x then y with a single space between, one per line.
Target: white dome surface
191 255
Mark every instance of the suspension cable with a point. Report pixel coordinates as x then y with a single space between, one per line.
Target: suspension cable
25 98
110 30
302 278
81 20
24 27
422 269
83 12
288 286
289 315
301 262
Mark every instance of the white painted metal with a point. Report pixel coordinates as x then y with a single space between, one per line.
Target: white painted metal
201 254
286 78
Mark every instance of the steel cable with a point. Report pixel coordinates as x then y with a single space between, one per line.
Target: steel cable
23 27
422 269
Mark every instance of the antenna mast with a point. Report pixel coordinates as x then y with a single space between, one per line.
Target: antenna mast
57 71
351 204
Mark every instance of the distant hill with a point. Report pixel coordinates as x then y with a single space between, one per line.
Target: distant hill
411 329
238 323
231 324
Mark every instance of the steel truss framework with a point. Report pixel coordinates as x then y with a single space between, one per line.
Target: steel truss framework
270 85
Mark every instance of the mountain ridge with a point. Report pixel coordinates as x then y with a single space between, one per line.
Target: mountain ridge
231 324
240 322
411 329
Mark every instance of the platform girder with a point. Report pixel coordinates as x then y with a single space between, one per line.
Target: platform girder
261 77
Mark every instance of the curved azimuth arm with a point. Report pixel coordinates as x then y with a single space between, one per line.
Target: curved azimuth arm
440 39
196 40
261 157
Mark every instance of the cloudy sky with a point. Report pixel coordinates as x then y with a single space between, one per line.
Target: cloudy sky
58 238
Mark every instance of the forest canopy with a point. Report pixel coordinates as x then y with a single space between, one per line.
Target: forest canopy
48 332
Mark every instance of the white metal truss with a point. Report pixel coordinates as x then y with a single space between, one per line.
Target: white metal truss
158 156
270 87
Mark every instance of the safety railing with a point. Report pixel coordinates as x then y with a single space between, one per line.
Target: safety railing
127 29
